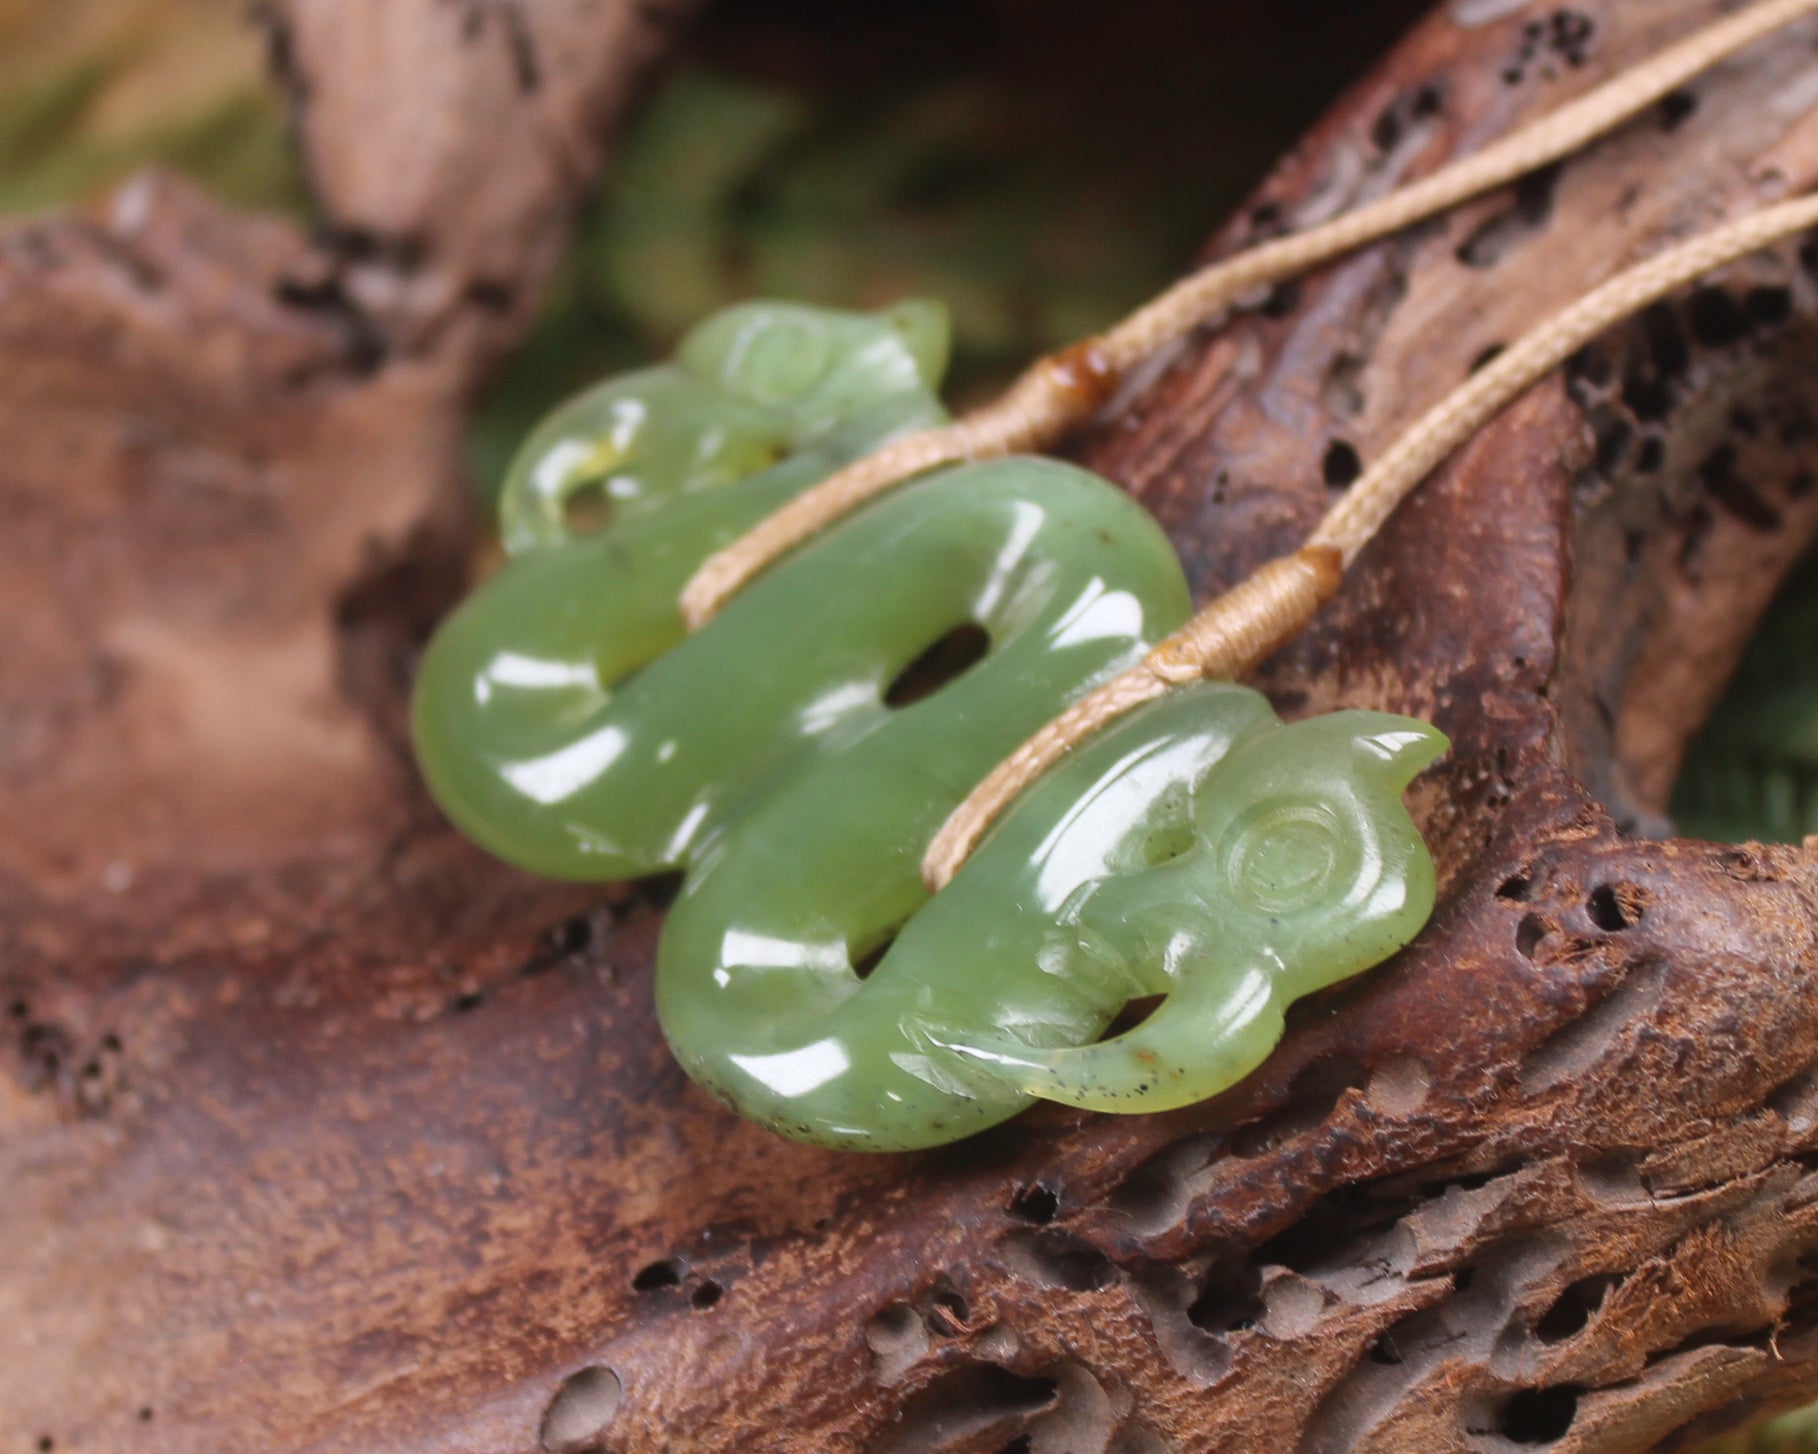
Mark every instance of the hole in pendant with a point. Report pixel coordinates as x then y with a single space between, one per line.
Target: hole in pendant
948 657
867 954
588 509
1133 1014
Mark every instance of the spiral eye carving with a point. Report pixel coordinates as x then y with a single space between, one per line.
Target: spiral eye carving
776 360
1285 856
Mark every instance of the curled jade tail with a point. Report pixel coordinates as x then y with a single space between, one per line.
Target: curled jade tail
1199 849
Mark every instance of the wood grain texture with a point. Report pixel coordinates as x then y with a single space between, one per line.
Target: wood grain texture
320 1132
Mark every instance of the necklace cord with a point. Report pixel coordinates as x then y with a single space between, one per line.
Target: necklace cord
1237 630
1061 391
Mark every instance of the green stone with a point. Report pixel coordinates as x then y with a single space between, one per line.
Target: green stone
751 387
1196 849
518 683
559 732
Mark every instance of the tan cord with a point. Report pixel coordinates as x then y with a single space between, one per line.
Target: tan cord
1356 517
1063 390
1231 634
1237 630
1053 393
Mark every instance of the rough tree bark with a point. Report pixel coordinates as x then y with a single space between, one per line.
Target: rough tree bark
322 1132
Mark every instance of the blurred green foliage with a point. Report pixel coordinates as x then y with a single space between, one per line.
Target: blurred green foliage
1752 773
1794 1433
91 90
726 188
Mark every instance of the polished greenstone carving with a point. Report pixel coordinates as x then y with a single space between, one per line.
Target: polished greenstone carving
754 386
1198 849
519 688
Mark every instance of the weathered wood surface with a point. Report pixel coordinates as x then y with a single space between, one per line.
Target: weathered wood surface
319 1131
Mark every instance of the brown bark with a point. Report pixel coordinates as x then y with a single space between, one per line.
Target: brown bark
323 1132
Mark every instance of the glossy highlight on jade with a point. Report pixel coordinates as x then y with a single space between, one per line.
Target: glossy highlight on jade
1198 849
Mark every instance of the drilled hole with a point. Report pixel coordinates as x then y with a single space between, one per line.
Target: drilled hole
1133 1014
582 1411
1528 934
944 660
706 1295
1539 1415
588 509
1517 887
866 957
666 1273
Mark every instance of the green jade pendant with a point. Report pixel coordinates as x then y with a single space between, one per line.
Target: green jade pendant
1197 849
